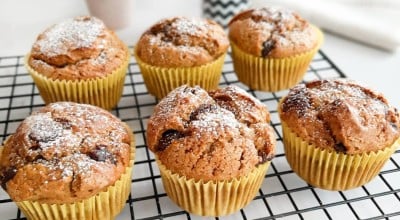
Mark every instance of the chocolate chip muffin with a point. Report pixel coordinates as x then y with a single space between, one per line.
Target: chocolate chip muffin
180 50
75 55
338 134
67 154
272 47
211 139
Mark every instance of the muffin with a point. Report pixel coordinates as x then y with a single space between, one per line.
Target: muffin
213 149
68 161
272 47
338 134
79 60
180 50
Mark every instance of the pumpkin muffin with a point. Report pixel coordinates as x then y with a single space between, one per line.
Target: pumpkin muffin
79 60
68 161
272 47
180 50
208 141
338 134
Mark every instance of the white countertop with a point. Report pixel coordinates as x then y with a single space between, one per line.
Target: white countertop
22 20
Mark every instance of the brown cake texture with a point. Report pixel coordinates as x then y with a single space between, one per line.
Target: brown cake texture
341 116
63 153
182 42
272 32
219 135
78 48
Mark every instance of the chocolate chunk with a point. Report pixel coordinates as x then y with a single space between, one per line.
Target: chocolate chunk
102 154
202 109
223 98
6 176
394 126
268 46
167 138
339 147
265 157
65 122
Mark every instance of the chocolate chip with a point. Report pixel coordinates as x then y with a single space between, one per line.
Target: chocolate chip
203 108
265 157
268 46
64 122
102 154
6 176
223 98
167 138
394 125
339 147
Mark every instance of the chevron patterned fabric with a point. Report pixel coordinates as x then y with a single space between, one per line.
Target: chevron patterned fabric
222 11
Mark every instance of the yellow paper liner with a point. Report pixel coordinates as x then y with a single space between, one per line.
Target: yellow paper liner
329 169
160 81
212 198
104 205
104 92
272 74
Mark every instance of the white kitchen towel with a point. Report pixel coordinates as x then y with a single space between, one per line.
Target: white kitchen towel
374 22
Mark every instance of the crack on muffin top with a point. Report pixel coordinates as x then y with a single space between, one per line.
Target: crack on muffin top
221 134
341 115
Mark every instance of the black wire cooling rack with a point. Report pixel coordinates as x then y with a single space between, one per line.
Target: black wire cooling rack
282 195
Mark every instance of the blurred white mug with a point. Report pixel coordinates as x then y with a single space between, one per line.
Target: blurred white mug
116 14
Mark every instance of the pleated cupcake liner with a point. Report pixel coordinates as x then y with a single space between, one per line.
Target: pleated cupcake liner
212 198
160 81
333 170
104 205
104 92
272 74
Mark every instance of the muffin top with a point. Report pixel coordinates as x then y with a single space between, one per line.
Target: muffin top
272 32
64 153
76 49
341 116
219 135
182 42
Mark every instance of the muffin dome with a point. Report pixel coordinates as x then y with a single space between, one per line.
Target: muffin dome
218 135
182 42
341 116
272 32
78 48
64 153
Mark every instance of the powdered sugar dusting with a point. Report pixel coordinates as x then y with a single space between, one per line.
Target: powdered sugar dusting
212 115
282 27
212 122
274 13
71 34
185 26
63 135
179 33
319 95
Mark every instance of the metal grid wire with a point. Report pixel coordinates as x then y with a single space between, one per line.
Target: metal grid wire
282 195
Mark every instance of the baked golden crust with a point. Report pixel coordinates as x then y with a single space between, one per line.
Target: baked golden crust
76 49
64 153
340 115
219 135
272 32
182 42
